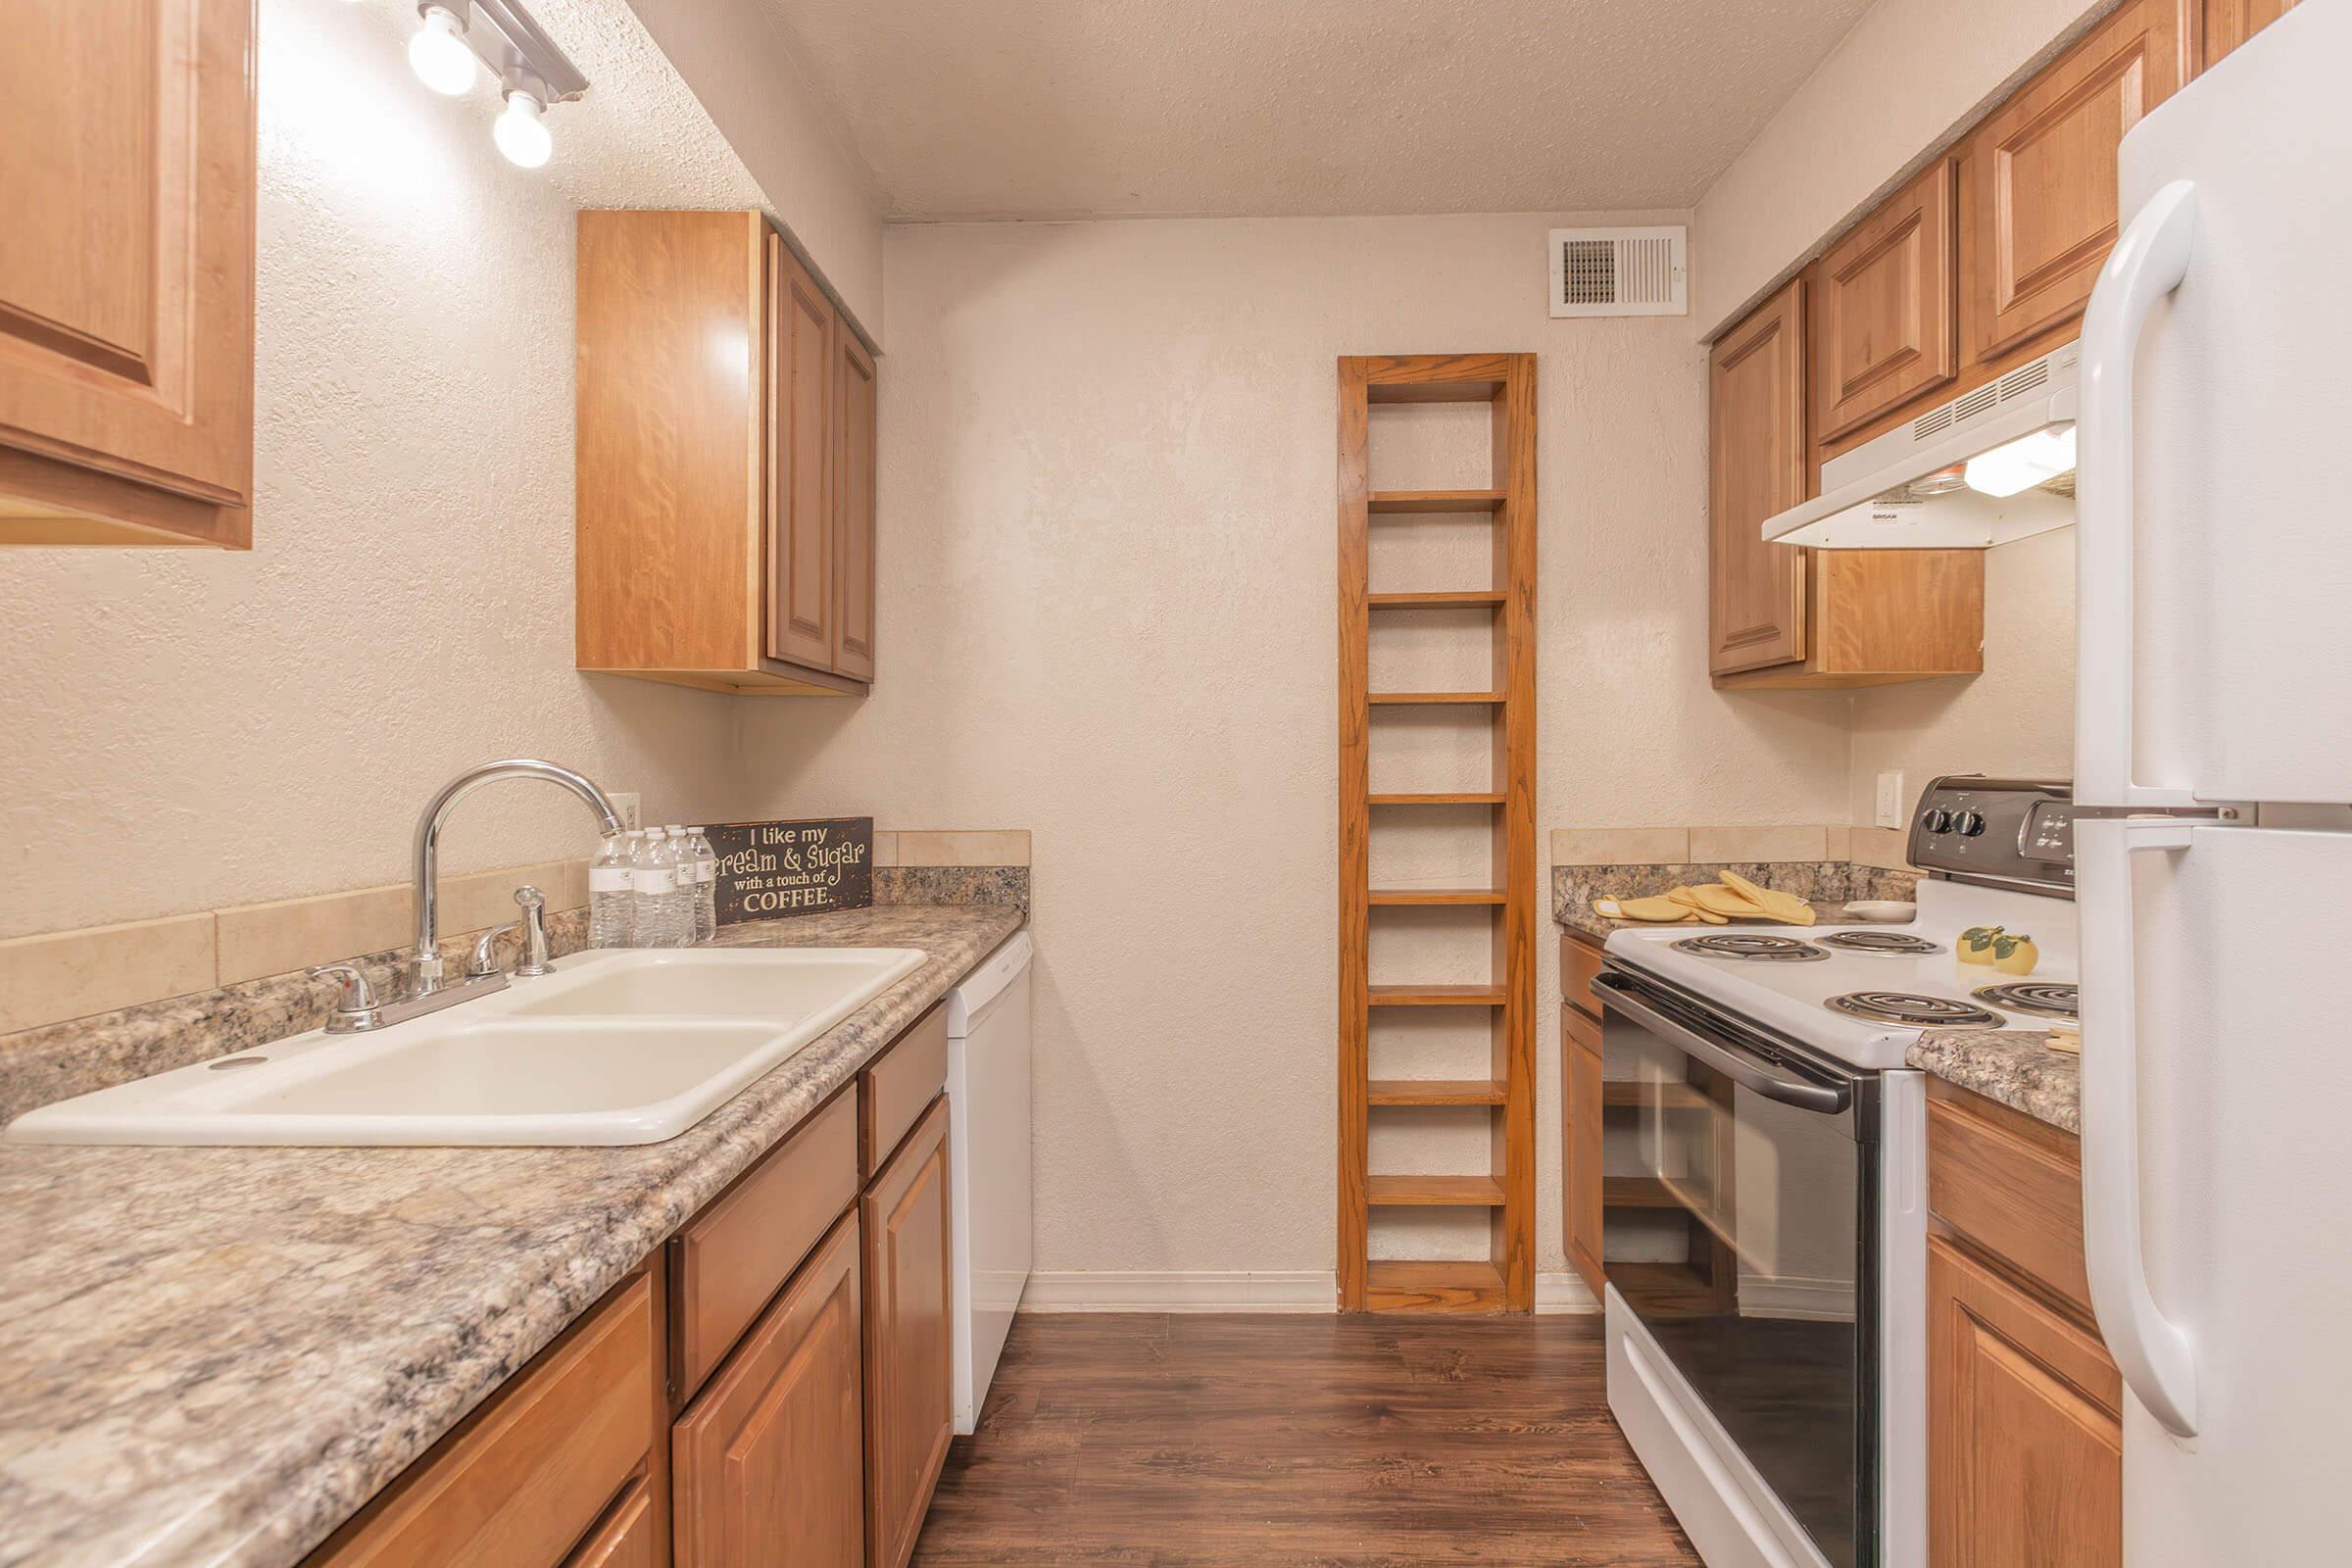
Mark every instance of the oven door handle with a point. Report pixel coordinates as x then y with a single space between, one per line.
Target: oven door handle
1749 1072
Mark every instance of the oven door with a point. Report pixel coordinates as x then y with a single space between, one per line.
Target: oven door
1740 1227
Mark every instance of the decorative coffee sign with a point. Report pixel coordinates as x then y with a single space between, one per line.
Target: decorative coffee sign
767 869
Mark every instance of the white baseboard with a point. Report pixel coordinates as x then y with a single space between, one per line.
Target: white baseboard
1198 1290
1564 1293
1235 1290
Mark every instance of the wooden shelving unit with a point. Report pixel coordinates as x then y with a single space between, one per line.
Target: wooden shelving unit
1506 1191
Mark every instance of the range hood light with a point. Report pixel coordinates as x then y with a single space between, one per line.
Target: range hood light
2023 464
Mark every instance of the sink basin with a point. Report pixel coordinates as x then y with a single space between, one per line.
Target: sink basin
615 1048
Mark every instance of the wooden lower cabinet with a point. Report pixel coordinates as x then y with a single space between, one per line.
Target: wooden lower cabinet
2025 1437
2026 1458
769 1462
630 1536
1581 1135
2230 22
909 1372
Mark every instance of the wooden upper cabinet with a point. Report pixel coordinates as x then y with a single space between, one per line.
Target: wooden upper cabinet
710 434
2230 22
768 1462
910 1387
857 426
2037 198
1758 461
1883 329
801 457
126 152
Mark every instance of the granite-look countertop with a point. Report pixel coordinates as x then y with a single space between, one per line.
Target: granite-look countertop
2015 1066
216 1355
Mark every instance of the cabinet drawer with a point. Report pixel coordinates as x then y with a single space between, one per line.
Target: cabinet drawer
628 1538
893 1088
526 1476
732 1258
1580 961
2012 1186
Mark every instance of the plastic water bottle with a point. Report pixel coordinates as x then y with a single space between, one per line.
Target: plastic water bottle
612 909
656 884
706 885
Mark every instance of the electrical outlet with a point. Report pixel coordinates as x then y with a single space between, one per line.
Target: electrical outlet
625 802
1891 800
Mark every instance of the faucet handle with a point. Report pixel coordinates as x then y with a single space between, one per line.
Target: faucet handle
533 960
355 998
483 963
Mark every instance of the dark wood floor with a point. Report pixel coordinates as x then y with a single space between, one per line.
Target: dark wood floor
1171 1441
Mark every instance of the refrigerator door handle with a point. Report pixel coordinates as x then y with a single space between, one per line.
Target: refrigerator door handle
2147 262
2150 1351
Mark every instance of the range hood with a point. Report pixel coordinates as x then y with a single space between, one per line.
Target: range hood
1991 465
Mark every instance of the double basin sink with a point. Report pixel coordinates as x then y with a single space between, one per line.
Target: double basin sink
612 1047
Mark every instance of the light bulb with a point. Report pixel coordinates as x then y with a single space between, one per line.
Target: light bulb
2024 463
521 133
438 53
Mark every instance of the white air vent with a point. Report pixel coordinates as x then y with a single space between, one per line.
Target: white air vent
1620 271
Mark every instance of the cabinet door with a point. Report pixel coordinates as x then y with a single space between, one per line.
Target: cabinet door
855 428
769 1462
2025 1448
2230 22
910 1391
799 463
1756 467
1883 321
2037 200
126 150
1581 1115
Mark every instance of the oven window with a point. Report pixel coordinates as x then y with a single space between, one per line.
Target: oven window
1731 1226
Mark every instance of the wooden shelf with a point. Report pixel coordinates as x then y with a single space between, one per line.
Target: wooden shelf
1411 699
1504 512
1392 897
1618 1092
1393 1285
1443 1192
1637 1191
1436 996
1443 599
1404 503
1437 1092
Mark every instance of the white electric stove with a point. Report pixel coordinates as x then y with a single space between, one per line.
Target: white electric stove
1766 1145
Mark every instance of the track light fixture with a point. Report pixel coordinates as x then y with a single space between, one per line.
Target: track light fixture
456 39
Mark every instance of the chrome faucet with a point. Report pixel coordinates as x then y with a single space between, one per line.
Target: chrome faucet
427 989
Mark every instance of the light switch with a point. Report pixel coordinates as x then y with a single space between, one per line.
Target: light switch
1892 800
625 802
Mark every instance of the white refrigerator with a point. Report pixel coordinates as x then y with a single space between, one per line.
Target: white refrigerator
2214 556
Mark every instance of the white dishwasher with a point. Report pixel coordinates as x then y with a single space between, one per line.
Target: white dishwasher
988 1145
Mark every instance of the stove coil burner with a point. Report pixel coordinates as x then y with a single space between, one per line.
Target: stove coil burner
1926 1012
2041 997
1892 944
1753 946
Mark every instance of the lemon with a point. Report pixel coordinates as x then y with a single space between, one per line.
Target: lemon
2015 955
1977 944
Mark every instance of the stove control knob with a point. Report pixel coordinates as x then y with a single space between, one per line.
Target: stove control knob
1969 823
1938 820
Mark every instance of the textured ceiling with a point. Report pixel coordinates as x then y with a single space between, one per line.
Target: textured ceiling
1074 108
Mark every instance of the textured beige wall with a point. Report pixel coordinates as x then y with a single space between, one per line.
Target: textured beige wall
187 729
1108 609
2017 719
1910 74
789 133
